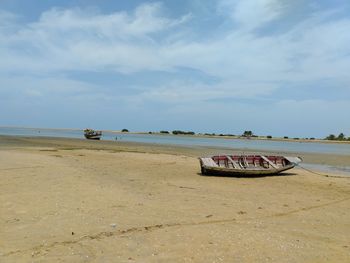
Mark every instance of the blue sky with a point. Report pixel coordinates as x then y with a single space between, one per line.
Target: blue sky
277 68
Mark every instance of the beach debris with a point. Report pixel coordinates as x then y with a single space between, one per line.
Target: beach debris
113 225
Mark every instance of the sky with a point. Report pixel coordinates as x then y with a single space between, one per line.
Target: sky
275 67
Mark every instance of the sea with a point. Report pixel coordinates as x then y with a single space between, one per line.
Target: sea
190 141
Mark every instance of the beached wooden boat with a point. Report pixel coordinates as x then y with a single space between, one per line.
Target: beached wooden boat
92 134
246 165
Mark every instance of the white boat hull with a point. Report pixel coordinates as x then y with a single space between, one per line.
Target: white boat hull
254 165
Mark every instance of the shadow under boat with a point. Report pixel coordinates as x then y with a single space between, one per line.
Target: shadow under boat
249 176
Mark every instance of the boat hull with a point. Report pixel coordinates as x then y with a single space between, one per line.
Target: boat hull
246 165
91 134
220 171
93 137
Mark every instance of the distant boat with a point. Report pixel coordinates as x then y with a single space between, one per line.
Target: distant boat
92 134
246 165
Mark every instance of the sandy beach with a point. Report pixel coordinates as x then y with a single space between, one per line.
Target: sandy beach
71 200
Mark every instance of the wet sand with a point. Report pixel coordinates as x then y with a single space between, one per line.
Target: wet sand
70 200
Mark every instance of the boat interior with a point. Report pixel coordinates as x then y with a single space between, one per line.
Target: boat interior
250 161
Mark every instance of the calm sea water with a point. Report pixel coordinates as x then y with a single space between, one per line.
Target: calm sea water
277 146
262 145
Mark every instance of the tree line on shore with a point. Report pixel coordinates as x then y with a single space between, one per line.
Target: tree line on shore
245 134
176 132
340 137
249 134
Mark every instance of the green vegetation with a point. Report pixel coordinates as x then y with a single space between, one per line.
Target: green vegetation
247 134
176 132
340 137
331 137
125 130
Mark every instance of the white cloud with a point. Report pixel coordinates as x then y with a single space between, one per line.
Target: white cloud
75 39
83 39
146 19
181 92
250 14
245 56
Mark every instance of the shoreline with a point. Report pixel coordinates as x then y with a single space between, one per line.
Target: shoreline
339 160
197 135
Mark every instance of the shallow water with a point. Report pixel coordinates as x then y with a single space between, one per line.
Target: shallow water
324 169
282 146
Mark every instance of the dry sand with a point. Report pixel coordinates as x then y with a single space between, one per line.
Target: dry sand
76 201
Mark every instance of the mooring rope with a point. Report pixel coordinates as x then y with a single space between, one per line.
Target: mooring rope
320 174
